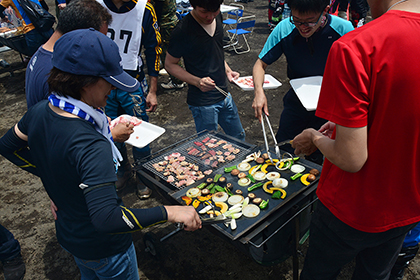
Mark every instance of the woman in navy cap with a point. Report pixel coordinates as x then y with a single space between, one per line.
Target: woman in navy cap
67 142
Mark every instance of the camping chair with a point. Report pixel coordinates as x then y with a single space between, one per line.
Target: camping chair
180 14
233 16
245 26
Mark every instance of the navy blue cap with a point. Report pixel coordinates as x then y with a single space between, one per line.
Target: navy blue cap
89 52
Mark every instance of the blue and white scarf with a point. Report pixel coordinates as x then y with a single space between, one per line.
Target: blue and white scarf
95 116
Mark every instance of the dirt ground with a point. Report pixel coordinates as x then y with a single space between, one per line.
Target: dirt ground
198 255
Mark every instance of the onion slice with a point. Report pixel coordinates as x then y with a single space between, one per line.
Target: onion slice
272 175
243 166
280 183
193 192
259 175
297 168
243 182
251 211
235 199
220 197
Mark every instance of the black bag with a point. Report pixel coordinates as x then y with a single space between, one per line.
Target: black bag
40 18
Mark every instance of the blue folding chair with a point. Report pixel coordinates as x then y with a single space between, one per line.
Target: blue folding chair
244 27
233 16
180 14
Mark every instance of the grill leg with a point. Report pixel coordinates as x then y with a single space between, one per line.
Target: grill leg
295 245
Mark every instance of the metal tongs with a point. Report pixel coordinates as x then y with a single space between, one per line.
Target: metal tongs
215 220
276 147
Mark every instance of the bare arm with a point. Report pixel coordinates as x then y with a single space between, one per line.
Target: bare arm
231 75
347 151
260 100
151 99
171 65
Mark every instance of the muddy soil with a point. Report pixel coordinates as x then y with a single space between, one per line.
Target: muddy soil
185 255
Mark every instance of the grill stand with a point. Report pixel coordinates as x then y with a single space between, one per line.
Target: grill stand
285 222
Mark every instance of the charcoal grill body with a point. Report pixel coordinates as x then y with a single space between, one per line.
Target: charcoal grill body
271 237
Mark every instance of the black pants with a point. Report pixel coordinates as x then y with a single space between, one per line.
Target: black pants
294 119
332 244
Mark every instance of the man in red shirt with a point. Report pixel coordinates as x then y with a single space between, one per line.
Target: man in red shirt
370 185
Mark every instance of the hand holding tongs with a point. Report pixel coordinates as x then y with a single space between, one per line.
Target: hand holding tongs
265 138
215 220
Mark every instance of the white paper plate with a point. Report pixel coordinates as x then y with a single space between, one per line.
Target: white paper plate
144 134
308 89
271 82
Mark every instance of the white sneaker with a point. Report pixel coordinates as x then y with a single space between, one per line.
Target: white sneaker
163 72
172 85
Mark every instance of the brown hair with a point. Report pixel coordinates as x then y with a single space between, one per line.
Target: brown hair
66 84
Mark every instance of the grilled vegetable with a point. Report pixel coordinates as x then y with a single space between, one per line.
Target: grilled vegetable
202 185
196 203
279 194
251 178
235 172
205 192
264 167
210 187
219 188
257 200
243 182
294 177
314 171
193 192
229 169
264 204
280 183
228 191
216 177
251 195
223 206
304 181
205 209
187 199
222 180
243 166
255 186
254 169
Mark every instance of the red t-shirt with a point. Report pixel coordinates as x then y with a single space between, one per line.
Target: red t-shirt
372 79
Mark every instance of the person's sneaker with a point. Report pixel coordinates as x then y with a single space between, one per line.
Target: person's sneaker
14 269
144 193
4 63
163 72
172 85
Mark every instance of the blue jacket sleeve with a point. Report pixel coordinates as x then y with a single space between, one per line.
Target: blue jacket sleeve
109 216
151 40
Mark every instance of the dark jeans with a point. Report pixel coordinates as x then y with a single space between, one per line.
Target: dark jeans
333 244
34 39
9 246
293 120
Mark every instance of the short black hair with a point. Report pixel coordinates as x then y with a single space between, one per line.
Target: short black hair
209 5
307 6
83 14
67 84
